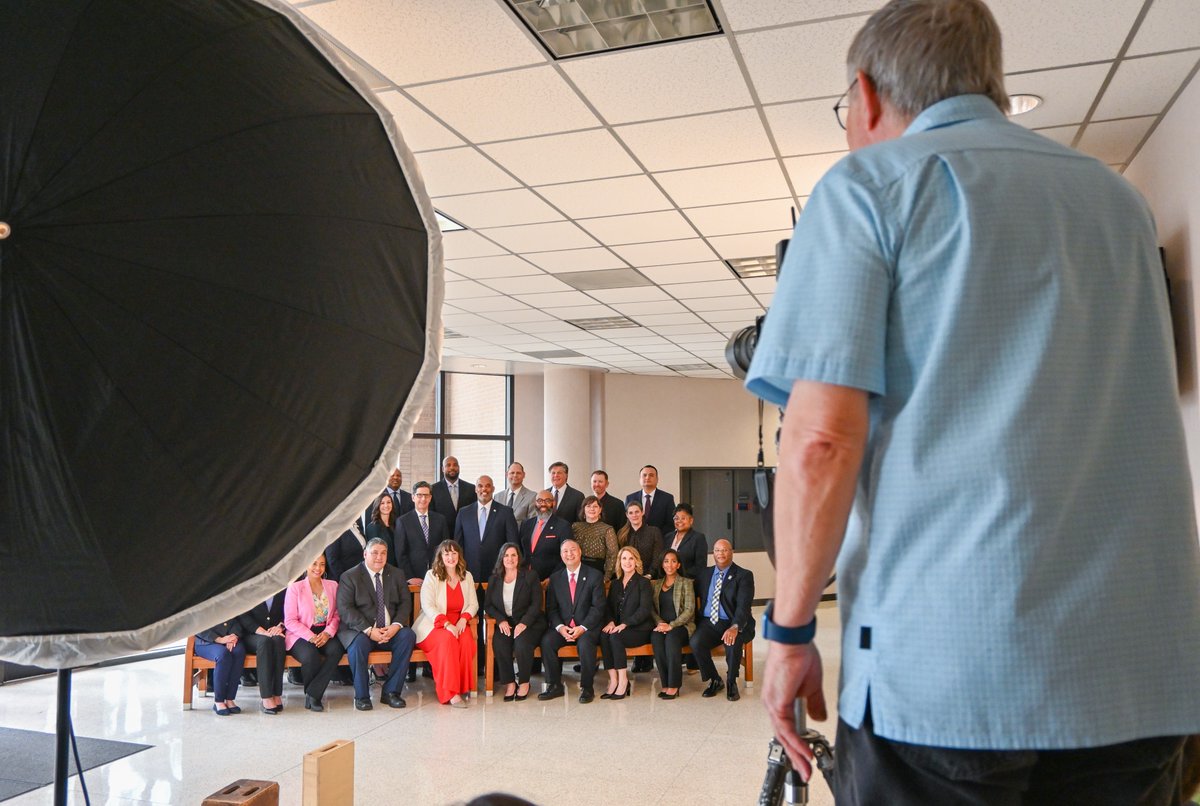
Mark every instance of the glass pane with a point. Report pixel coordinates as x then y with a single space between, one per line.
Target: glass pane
747 515
476 404
480 457
418 461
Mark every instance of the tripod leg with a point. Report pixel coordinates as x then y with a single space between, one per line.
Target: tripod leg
62 739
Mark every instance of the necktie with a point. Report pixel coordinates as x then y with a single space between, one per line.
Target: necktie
537 535
380 611
646 508
572 624
453 494
425 528
556 498
482 520
512 498
714 604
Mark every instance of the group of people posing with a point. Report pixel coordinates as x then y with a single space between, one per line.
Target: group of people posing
561 568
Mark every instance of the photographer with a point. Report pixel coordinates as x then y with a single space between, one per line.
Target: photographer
971 334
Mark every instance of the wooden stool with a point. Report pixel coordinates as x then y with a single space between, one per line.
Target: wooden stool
245 793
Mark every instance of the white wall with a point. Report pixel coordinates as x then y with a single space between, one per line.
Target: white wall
528 396
1167 172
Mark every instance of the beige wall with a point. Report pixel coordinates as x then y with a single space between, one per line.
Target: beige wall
527 426
1167 172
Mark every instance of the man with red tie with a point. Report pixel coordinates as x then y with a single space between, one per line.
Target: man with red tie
541 536
575 613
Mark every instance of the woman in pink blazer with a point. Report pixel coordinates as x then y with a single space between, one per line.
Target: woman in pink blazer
311 620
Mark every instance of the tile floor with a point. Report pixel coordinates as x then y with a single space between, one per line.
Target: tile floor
640 750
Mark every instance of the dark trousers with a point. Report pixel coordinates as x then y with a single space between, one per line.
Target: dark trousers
613 646
359 652
553 641
871 769
229 662
705 638
668 655
269 652
317 664
506 648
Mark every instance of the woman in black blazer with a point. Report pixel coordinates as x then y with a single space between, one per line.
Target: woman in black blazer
630 620
690 545
514 600
262 632
383 525
223 645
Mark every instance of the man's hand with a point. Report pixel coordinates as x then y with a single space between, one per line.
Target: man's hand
504 628
566 633
520 628
388 632
415 581
730 635
793 671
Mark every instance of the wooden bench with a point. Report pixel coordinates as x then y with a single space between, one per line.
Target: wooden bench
194 666
571 651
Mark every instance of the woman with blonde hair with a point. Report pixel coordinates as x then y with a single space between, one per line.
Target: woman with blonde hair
629 622
448 603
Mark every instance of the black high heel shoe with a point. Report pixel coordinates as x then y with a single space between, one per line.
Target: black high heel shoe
620 695
510 697
522 697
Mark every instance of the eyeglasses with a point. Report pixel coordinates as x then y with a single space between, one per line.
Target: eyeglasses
841 104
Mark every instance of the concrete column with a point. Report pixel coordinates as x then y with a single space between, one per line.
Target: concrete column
566 426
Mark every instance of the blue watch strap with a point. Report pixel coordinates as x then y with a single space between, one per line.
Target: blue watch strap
787 635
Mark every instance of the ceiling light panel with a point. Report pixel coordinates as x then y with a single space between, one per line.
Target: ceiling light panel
771 59
466 244
1144 86
541 237
725 184
592 154
605 197
480 268
1063 32
461 170
1067 94
499 208
807 171
621 280
578 27
689 142
603 323
755 268
743 14
686 272
572 260
665 225
1113 141
805 127
419 130
501 106
1171 24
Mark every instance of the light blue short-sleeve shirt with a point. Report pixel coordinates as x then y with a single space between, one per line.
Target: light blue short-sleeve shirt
1023 547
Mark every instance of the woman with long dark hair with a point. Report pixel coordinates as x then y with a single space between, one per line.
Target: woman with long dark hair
673 604
311 619
514 600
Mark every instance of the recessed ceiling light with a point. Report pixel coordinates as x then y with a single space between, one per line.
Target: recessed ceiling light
603 323
1020 104
747 267
446 223
577 27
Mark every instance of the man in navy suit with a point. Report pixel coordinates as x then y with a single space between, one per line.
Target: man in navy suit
612 511
575 611
541 536
401 501
451 494
481 547
567 500
658 505
726 592
421 530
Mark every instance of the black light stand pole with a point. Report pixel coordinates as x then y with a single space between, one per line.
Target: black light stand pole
62 744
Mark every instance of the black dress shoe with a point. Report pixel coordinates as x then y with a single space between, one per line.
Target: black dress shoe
411 677
714 688
313 704
393 700
553 692
293 677
363 704
663 695
586 695
606 696
731 692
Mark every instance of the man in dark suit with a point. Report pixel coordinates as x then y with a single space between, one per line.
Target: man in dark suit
482 528
612 511
658 505
567 500
575 614
401 501
541 537
344 553
422 530
376 614
451 493
726 592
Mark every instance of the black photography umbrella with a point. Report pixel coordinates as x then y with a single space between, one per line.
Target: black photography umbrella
220 292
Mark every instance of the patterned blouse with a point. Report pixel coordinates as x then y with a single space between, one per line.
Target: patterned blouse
598 542
320 608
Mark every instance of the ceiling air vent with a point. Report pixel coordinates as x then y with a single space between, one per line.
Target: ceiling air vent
603 323
689 367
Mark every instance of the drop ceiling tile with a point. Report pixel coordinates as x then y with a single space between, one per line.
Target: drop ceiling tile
454 37
716 288
690 142
760 285
664 252
1169 25
499 208
541 237
461 170
590 311
743 14
660 321
602 197
464 320
639 309
450 276
775 68
1067 94
1064 135
550 302
636 343
569 260
496 266
687 272
467 244
639 294
420 131
572 157
682 78
764 299
682 333
495 303
1144 86
729 320
754 244
542 326
1039 34
733 219
534 284
703 305
639 228
466 290
1113 141
725 184
491 332
807 171
805 127
502 106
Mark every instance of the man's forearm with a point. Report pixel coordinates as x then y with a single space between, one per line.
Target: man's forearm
820 453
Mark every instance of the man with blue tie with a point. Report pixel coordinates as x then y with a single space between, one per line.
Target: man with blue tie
482 528
726 592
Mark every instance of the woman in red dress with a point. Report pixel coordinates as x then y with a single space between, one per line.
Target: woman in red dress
448 603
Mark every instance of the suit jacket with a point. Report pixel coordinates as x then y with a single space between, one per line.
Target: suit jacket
527 600
570 501
261 616
737 594
401 502
433 603
683 594
481 552
397 549
442 503
633 609
231 627
346 552
419 554
662 508
587 610
693 552
523 507
356 601
612 512
547 559
299 615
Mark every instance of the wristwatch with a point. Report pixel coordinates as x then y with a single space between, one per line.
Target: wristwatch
787 635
